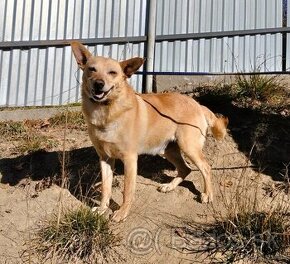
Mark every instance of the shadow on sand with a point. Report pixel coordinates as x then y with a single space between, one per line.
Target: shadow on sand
263 138
81 170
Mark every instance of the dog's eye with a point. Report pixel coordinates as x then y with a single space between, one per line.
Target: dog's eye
112 72
92 69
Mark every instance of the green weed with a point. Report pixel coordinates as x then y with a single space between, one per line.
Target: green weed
80 234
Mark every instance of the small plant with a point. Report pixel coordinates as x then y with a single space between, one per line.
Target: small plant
32 142
12 129
79 235
74 104
260 87
250 229
252 234
283 186
266 93
73 119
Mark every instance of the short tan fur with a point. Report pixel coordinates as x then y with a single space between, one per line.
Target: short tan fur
123 124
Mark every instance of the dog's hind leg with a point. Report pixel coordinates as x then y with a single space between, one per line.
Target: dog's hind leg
191 144
173 155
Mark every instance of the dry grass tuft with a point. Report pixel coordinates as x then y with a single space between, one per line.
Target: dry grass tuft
252 228
259 92
260 87
282 186
27 135
72 119
12 129
32 142
79 235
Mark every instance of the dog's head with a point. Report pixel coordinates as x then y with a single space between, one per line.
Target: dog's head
102 77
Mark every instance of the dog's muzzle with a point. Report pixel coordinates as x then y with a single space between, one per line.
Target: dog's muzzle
97 90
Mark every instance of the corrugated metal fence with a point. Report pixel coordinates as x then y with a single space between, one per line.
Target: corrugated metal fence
208 36
228 54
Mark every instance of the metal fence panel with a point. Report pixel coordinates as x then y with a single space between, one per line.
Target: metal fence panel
68 19
235 54
50 76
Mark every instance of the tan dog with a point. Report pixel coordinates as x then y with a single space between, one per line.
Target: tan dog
123 125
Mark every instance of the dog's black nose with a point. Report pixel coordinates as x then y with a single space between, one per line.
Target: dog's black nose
99 85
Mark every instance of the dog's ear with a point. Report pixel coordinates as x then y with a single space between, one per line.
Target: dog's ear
81 53
130 66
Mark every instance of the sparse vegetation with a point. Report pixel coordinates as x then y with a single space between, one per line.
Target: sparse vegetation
73 119
27 135
260 87
250 229
249 236
32 142
252 235
266 93
79 235
282 186
12 129
267 89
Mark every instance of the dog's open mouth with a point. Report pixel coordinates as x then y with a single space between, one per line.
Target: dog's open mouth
100 95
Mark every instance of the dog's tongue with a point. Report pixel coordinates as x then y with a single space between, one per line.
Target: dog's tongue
100 95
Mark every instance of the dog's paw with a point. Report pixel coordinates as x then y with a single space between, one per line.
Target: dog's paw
99 210
166 187
206 198
119 215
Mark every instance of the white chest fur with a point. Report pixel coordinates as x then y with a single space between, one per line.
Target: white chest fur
105 133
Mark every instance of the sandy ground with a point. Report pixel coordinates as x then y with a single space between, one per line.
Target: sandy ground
26 198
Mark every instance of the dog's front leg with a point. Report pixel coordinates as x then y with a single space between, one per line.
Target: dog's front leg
107 167
130 170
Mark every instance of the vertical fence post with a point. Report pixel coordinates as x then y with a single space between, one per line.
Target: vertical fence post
284 35
150 47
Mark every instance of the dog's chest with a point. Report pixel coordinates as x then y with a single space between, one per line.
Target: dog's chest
105 139
104 133
98 125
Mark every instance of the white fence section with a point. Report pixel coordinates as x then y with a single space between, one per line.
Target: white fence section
34 71
49 76
228 54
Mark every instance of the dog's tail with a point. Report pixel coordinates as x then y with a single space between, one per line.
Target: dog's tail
218 125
